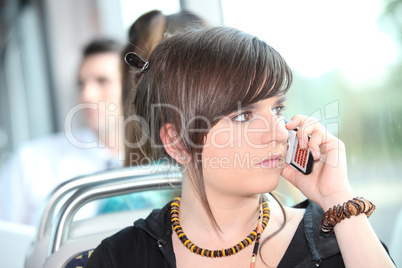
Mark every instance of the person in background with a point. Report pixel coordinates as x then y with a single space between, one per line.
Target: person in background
144 34
40 165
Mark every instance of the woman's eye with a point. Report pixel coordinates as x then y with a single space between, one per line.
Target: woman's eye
278 110
243 117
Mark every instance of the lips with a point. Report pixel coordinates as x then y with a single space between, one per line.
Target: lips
271 162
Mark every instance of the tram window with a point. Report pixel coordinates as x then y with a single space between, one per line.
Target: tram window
346 63
131 10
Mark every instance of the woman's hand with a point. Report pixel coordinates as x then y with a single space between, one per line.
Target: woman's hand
328 183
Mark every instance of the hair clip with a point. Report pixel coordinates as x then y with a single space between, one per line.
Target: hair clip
136 61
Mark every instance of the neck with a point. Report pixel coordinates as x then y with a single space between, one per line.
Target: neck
235 216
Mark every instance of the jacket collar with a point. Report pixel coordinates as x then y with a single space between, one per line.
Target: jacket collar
157 225
321 245
153 223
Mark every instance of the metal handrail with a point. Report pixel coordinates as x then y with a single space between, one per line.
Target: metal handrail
67 187
82 196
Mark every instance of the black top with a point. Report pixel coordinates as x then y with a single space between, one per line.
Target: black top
149 244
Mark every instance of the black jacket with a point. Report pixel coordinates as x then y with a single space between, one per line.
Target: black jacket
148 244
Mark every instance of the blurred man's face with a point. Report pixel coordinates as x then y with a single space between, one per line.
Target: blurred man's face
100 82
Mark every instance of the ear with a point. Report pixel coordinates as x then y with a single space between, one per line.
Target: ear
173 145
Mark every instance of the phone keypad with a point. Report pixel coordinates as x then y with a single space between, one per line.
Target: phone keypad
301 157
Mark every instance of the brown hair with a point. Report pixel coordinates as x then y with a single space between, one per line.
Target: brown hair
194 79
147 31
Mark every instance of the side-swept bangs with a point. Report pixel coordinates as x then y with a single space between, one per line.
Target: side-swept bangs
216 71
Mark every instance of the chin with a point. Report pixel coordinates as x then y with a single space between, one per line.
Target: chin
268 181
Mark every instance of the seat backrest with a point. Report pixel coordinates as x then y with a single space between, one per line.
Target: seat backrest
64 238
87 234
80 259
67 187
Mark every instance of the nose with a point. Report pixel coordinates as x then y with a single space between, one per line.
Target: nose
275 131
89 93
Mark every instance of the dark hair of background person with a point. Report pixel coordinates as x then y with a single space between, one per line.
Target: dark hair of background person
101 45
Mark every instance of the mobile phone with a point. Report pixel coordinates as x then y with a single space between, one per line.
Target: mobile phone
301 160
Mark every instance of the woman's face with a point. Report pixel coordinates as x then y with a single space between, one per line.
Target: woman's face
245 151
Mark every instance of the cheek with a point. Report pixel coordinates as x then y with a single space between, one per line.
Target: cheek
114 92
112 96
255 131
226 144
232 136
216 154
223 158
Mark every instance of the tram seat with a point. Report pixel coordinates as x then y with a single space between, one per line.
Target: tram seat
60 238
87 234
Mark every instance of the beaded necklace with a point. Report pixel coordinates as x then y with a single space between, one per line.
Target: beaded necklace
263 219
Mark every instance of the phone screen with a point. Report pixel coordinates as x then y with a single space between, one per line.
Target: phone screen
301 160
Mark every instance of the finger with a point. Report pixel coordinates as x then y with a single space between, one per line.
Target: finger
307 128
315 142
295 121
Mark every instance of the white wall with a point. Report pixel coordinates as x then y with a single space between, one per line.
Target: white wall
71 25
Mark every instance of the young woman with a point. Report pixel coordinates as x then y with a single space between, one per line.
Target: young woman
211 100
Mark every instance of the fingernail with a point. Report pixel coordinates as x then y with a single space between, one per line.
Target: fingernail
288 122
301 144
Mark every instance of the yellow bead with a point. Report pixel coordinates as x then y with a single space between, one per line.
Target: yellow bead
202 252
180 235
187 241
249 240
192 248
223 253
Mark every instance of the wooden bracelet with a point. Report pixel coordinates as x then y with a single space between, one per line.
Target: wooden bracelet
340 212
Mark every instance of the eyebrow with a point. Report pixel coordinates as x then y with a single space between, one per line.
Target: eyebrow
247 107
283 99
254 105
